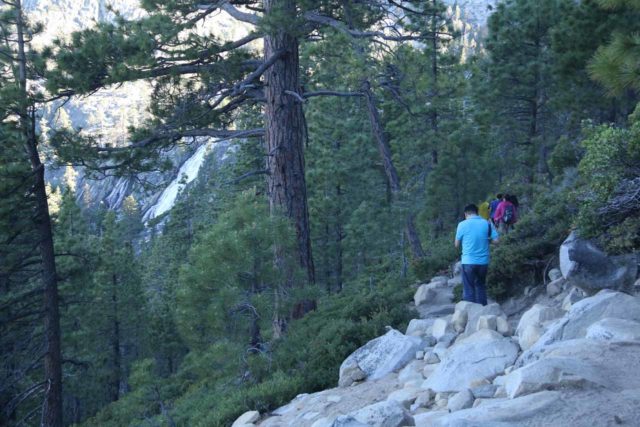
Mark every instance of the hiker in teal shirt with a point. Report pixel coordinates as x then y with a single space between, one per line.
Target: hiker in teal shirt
475 233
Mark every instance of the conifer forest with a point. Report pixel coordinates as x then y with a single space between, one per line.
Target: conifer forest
207 205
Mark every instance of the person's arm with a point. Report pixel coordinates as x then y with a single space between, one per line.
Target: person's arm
458 238
495 237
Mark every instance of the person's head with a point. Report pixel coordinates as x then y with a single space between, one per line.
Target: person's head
505 197
470 210
499 196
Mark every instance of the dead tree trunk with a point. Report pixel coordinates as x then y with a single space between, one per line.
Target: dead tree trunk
285 132
389 168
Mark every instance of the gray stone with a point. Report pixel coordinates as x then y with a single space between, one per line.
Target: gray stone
572 297
379 357
461 400
426 419
475 311
322 422
431 358
538 315
424 294
411 372
441 280
434 294
590 269
554 274
246 418
484 354
440 350
419 327
459 320
388 413
348 421
455 281
405 396
487 321
448 339
424 398
615 330
310 415
529 336
420 354
549 408
441 327
579 363
551 373
429 341
582 315
486 391
503 327
426 371
350 373
457 269
555 287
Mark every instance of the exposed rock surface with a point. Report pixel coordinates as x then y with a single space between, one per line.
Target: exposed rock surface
484 354
246 418
569 362
379 357
588 268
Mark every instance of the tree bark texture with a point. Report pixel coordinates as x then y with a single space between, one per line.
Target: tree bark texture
52 408
285 133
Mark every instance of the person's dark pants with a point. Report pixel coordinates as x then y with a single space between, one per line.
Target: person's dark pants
474 277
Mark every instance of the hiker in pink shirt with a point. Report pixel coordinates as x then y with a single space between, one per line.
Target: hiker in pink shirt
506 214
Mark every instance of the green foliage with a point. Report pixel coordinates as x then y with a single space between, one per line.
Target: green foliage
442 254
522 256
231 278
611 159
615 65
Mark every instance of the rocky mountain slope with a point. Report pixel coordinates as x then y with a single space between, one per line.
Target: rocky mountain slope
563 354
109 113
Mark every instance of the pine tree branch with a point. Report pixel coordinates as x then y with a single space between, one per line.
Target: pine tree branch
250 18
339 25
178 134
331 93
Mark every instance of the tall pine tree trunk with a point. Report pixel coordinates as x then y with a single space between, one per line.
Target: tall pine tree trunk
393 178
116 373
285 131
434 79
52 408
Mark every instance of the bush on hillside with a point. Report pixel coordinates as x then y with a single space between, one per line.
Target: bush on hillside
522 256
216 384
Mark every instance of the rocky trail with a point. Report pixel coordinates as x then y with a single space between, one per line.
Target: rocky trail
566 353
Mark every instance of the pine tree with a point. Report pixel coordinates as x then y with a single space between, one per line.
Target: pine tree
616 64
20 102
518 80
228 82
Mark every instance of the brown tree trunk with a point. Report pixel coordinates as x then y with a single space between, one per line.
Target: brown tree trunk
285 132
390 170
52 408
116 373
434 76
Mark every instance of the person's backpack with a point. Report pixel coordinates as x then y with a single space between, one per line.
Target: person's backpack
509 214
